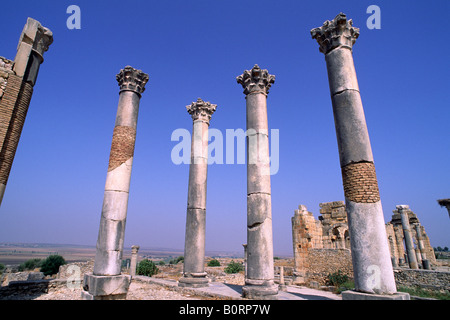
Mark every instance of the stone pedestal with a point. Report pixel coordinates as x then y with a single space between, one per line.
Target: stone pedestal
371 259
259 283
105 287
355 295
108 258
194 274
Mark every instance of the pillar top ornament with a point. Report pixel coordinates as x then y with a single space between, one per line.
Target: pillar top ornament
336 33
131 79
256 80
402 207
201 110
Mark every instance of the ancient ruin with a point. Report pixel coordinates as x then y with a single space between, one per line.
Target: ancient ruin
106 281
259 282
329 236
17 79
194 274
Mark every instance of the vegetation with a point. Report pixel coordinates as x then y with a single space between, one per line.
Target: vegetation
147 268
30 264
2 267
176 260
51 265
214 263
234 267
440 249
419 292
161 263
336 279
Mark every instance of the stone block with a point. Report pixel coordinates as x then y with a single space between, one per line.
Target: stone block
354 295
106 287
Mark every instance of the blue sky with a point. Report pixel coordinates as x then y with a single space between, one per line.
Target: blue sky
194 49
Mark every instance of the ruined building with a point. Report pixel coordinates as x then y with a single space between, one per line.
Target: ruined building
327 238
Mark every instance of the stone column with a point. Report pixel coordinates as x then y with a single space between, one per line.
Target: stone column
194 274
282 284
106 282
260 273
399 240
409 244
369 245
421 246
245 260
17 79
133 263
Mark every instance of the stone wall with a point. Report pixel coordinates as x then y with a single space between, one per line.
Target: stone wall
30 288
71 270
322 262
426 279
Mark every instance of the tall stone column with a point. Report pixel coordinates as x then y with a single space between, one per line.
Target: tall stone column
372 265
409 244
17 80
194 274
245 260
399 240
133 263
106 282
260 273
421 246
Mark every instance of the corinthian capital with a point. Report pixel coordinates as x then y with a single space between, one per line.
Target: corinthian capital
131 79
201 110
256 80
332 34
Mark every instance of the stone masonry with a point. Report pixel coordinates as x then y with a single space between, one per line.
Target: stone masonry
17 79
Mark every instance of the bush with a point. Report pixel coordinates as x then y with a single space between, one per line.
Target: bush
176 260
2 267
336 279
30 264
214 263
51 265
234 267
162 263
147 268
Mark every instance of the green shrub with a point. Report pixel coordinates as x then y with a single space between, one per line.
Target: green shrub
147 268
336 279
161 263
30 264
214 263
176 260
2 267
51 265
234 267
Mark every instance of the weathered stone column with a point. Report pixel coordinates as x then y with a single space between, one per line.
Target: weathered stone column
194 274
17 79
106 282
372 265
133 263
409 244
399 240
423 255
260 273
245 260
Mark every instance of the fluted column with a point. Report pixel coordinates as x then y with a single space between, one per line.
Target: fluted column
194 274
17 80
369 245
409 244
260 274
108 258
423 255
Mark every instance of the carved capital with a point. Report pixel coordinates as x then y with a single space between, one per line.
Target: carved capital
256 80
332 34
201 110
131 79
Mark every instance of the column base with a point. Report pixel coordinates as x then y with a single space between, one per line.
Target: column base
355 295
260 290
196 280
105 287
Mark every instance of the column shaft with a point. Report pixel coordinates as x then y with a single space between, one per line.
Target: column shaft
372 265
194 274
409 244
259 283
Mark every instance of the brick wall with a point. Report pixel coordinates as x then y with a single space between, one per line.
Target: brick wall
321 262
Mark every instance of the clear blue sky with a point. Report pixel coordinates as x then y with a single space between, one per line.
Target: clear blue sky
195 49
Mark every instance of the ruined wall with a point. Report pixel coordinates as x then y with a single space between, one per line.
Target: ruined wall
321 262
426 279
